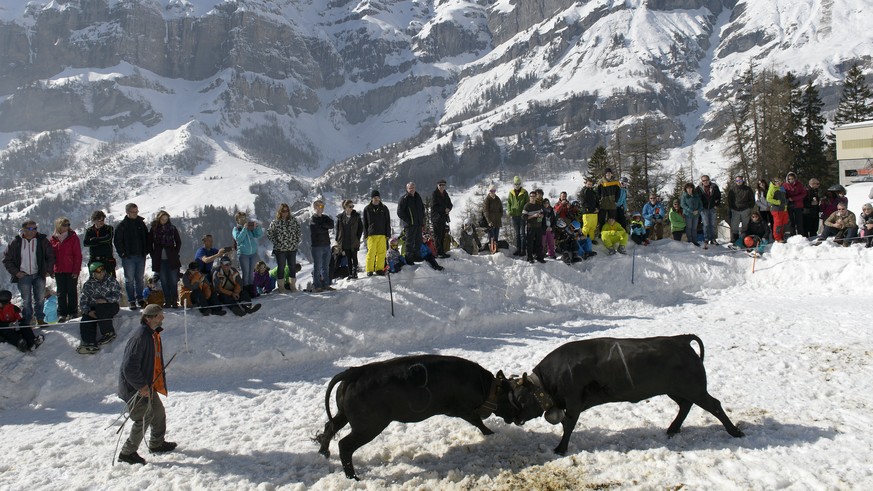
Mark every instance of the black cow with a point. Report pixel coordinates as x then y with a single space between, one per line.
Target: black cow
584 374
410 389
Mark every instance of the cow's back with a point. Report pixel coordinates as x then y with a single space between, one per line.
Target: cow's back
414 388
596 371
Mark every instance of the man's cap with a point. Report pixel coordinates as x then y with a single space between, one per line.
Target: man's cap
27 222
225 260
152 310
441 181
95 266
375 193
516 180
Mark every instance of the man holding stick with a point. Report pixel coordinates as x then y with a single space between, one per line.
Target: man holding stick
141 379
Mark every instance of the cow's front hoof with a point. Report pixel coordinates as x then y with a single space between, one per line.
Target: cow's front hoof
486 432
737 433
325 452
561 451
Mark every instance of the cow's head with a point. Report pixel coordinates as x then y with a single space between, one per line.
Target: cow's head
503 407
530 400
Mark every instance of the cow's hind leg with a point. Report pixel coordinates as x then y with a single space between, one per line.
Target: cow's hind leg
355 440
330 429
713 405
476 420
684 408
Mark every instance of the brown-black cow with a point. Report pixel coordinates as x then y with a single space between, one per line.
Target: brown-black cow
583 374
409 389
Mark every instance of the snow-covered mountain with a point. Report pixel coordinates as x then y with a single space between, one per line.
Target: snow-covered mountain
107 101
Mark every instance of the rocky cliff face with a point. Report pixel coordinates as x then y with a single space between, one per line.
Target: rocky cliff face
372 92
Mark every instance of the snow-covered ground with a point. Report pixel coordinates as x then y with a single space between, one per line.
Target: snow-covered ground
787 352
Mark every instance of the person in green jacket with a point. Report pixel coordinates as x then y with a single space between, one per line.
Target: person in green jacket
677 221
518 197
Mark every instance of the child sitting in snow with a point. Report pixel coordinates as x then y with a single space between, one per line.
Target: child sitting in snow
427 252
50 307
22 338
153 293
262 279
639 234
395 260
470 239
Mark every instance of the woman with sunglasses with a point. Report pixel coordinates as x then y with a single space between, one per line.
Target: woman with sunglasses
68 264
284 233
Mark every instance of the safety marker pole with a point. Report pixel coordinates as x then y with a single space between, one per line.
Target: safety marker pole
390 291
754 259
633 265
185 316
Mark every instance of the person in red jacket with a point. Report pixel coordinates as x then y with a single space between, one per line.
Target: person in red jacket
795 192
68 264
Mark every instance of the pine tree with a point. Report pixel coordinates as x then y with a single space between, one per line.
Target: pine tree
597 163
856 102
811 159
679 187
646 152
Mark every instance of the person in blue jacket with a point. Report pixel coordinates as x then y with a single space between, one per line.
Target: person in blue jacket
246 234
654 214
691 208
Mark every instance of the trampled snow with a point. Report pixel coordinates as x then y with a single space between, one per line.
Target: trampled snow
787 350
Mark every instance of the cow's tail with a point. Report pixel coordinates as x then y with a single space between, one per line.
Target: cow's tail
693 337
323 438
340 377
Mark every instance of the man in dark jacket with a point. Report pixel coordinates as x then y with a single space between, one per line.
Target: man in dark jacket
349 228
29 258
377 228
811 208
410 211
710 197
320 226
132 244
98 240
140 380
741 200
440 207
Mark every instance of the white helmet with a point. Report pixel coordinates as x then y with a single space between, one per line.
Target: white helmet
468 221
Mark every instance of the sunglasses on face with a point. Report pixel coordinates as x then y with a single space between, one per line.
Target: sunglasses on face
30 229
319 206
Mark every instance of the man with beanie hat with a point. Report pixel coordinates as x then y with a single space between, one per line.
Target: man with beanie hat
377 229
99 302
142 377
515 203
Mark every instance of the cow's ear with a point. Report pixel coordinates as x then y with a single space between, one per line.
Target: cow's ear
524 378
500 375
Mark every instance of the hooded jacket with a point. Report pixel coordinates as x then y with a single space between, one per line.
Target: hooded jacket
68 253
45 256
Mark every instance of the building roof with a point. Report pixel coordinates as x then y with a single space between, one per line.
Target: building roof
851 126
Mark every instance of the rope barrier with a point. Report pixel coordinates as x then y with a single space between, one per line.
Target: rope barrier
717 250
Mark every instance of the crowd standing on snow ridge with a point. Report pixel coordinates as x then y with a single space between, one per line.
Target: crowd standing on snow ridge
770 212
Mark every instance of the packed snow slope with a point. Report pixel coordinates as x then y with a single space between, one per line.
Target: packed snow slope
787 349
